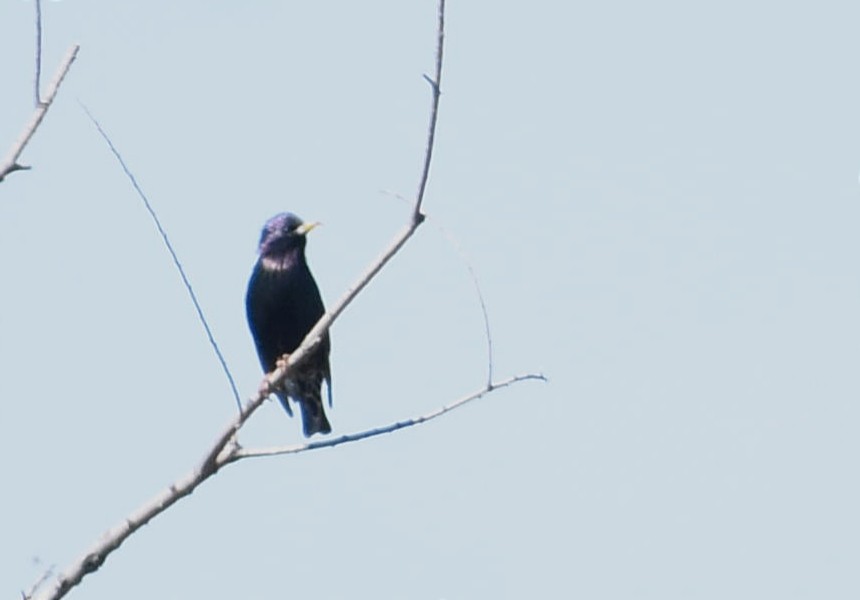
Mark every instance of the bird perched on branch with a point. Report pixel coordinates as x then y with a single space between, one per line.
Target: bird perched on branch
283 304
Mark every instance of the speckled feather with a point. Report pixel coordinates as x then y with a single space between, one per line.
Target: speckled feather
283 304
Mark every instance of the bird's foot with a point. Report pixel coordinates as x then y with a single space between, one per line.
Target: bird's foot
266 387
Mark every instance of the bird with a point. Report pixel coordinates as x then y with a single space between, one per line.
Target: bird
283 303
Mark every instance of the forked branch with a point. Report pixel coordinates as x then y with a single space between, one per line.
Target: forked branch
10 163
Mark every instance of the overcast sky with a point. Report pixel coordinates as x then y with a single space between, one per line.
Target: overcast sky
660 199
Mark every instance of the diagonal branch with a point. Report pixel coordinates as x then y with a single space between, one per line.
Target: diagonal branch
10 163
224 447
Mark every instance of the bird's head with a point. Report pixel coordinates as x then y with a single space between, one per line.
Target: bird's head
284 233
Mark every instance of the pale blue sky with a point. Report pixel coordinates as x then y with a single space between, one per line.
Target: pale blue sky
661 200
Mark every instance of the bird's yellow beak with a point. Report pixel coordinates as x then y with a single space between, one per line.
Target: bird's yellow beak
305 228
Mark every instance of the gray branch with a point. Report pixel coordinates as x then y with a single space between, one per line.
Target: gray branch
10 163
240 453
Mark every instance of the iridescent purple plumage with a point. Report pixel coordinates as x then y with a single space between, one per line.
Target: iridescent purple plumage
283 304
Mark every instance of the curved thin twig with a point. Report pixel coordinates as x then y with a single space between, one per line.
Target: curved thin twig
473 275
240 453
200 316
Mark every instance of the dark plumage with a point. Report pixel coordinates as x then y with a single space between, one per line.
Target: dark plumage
283 304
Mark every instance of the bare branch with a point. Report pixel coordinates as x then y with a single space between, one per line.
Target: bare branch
10 163
224 447
436 86
37 92
241 453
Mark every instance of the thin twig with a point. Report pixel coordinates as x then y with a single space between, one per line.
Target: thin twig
241 453
201 317
29 594
473 275
436 86
219 454
10 163
37 95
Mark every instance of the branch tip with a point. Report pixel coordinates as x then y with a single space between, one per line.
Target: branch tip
432 82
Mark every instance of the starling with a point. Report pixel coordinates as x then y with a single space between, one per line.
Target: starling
283 304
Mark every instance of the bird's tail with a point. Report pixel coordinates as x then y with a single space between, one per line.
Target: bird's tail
313 415
306 392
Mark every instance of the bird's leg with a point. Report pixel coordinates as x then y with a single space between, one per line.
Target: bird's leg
266 387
